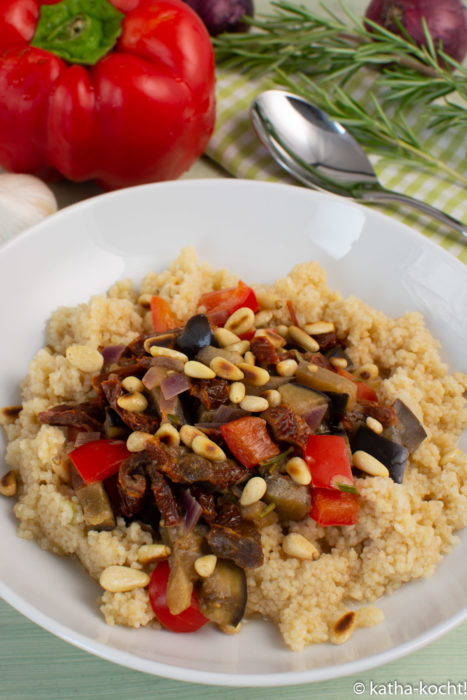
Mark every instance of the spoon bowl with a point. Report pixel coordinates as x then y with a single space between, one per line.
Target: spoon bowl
322 154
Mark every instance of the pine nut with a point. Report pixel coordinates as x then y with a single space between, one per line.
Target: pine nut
204 447
298 470
254 404
241 321
273 397
132 384
188 434
198 370
168 434
153 552
145 300
135 402
282 330
300 337
237 392
295 545
374 425
338 362
319 327
249 358
367 371
119 579
275 338
84 358
230 629
257 376
61 467
226 369
241 346
343 628
8 414
286 368
162 351
262 318
225 337
136 441
254 490
8 485
205 565
369 464
268 300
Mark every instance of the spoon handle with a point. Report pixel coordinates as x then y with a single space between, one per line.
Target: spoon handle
389 196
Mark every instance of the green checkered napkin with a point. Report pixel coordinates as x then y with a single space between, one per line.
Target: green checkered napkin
237 149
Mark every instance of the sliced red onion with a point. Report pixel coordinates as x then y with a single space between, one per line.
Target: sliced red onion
154 377
174 384
112 353
314 415
225 414
84 437
193 510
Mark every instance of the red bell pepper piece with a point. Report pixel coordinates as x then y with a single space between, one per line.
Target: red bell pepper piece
221 304
248 440
189 620
331 507
97 460
163 318
328 461
364 391
138 108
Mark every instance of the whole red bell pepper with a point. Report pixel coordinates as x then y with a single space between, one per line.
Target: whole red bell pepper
120 91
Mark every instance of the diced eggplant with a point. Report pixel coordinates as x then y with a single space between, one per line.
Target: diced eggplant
97 511
390 453
337 407
168 409
114 427
411 431
310 404
325 380
273 383
292 500
209 352
196 335
223 595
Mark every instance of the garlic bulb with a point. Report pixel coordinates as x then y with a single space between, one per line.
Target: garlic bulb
24 201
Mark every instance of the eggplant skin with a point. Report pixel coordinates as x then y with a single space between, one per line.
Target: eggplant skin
196 335
222 597
390 453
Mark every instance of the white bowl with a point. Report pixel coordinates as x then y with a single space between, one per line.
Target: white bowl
259 231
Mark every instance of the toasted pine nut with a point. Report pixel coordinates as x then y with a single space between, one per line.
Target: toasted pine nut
282 329
136 401
8 485
204 447
257 376
132 384
298 470
168 434
136 441
343 628
119 579
8 414
268 300
188 434
84 358
240 346
374 425
295 545
369 464
61 467
198 370
254 404
240 321
301 337
367 371
262 318
225 337
254 490
162 351
226 369
319 327
145 300
249 358
230 629
205 565
338 362
275 338
286 368
237 392
273 397
153 552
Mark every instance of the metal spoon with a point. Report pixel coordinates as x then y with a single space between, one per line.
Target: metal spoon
322 154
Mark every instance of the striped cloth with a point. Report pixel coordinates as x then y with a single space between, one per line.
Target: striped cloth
235 147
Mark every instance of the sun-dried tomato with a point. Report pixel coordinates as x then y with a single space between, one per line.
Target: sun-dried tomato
211 392
264 351
287 426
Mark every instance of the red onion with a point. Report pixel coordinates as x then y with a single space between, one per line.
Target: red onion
174 384
112 353
84 437
223 15
446 21
154 377
193 511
